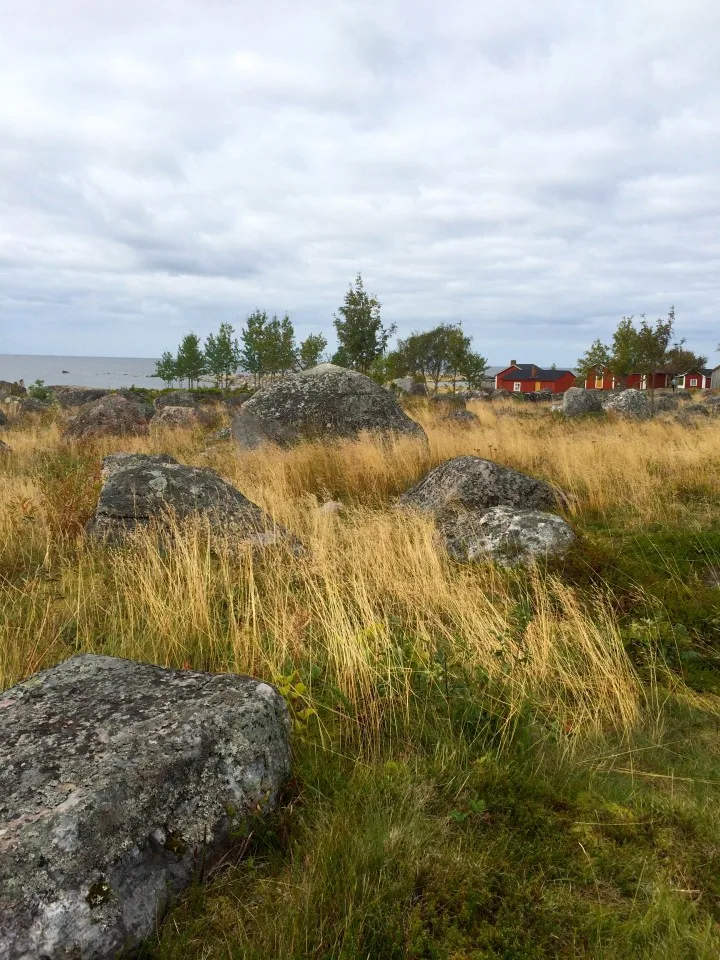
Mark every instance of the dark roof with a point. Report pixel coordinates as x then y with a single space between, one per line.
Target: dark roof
524 371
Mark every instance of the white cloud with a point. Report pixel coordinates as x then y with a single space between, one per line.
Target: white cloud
534 170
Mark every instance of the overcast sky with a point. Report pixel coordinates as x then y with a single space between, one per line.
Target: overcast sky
535 170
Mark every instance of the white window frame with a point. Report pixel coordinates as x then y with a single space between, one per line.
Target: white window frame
517 386
693 381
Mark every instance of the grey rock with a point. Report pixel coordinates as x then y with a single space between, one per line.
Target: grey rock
175 398
3 419
14 389
472 483
147 409
683 394
236 401
29 405
117 779
498 394
409 386
713 404
461 418
112 415
629 405
224 433
556 408
692 412
67 397
666 402
115 461
508 536
144 490
580 403
325 402
171 417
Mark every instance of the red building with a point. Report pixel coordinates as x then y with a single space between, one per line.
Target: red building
604 380
527 378
699 380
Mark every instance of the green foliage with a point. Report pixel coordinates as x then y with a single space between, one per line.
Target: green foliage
595 360
310 353
38 391
362 338
166 368
268 345
222 355
190 360
443 353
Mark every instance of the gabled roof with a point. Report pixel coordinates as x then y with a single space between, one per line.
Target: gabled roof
524 371
493 372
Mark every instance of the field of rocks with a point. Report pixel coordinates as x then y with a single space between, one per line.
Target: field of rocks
495 626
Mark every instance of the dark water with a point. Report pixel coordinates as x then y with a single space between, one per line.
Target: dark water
81 371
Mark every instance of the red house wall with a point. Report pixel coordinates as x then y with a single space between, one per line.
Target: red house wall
528 386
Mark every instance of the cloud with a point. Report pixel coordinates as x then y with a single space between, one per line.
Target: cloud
536 171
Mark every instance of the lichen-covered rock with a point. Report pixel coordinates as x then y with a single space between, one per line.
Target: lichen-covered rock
666 402
67 397
115 461
117 779
30 405
580 403
629 405
692 412
142 489
224 433
461 418
409 386
175 398
3 419
171 417
325 402
713 404
472 483
508 536
112 415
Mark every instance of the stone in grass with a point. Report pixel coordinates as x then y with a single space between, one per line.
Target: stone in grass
326 402
173 417
578 402
629 405
472 483
461 418
113 415
141 489
507 536
117 781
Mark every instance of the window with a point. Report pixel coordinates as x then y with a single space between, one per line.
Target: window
517 387
693 381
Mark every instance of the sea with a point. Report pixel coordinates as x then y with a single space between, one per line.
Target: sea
80 371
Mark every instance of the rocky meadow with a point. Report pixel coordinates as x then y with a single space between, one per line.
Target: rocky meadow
489 758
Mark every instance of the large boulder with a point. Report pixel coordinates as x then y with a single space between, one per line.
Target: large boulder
692 412
31 405
68 397
461 418
409 386
117 780
629 405
325 402
472 483
666 402
508 536
578 402
13 389
140 490
175 398
180 417
112 415
3 419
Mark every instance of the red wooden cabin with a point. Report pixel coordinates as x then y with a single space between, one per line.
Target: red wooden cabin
527 378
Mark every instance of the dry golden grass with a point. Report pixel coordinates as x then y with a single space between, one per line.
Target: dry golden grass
373 602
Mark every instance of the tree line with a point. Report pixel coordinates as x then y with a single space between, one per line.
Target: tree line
267 348
641 347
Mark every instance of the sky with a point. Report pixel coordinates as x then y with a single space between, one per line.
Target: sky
533 170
